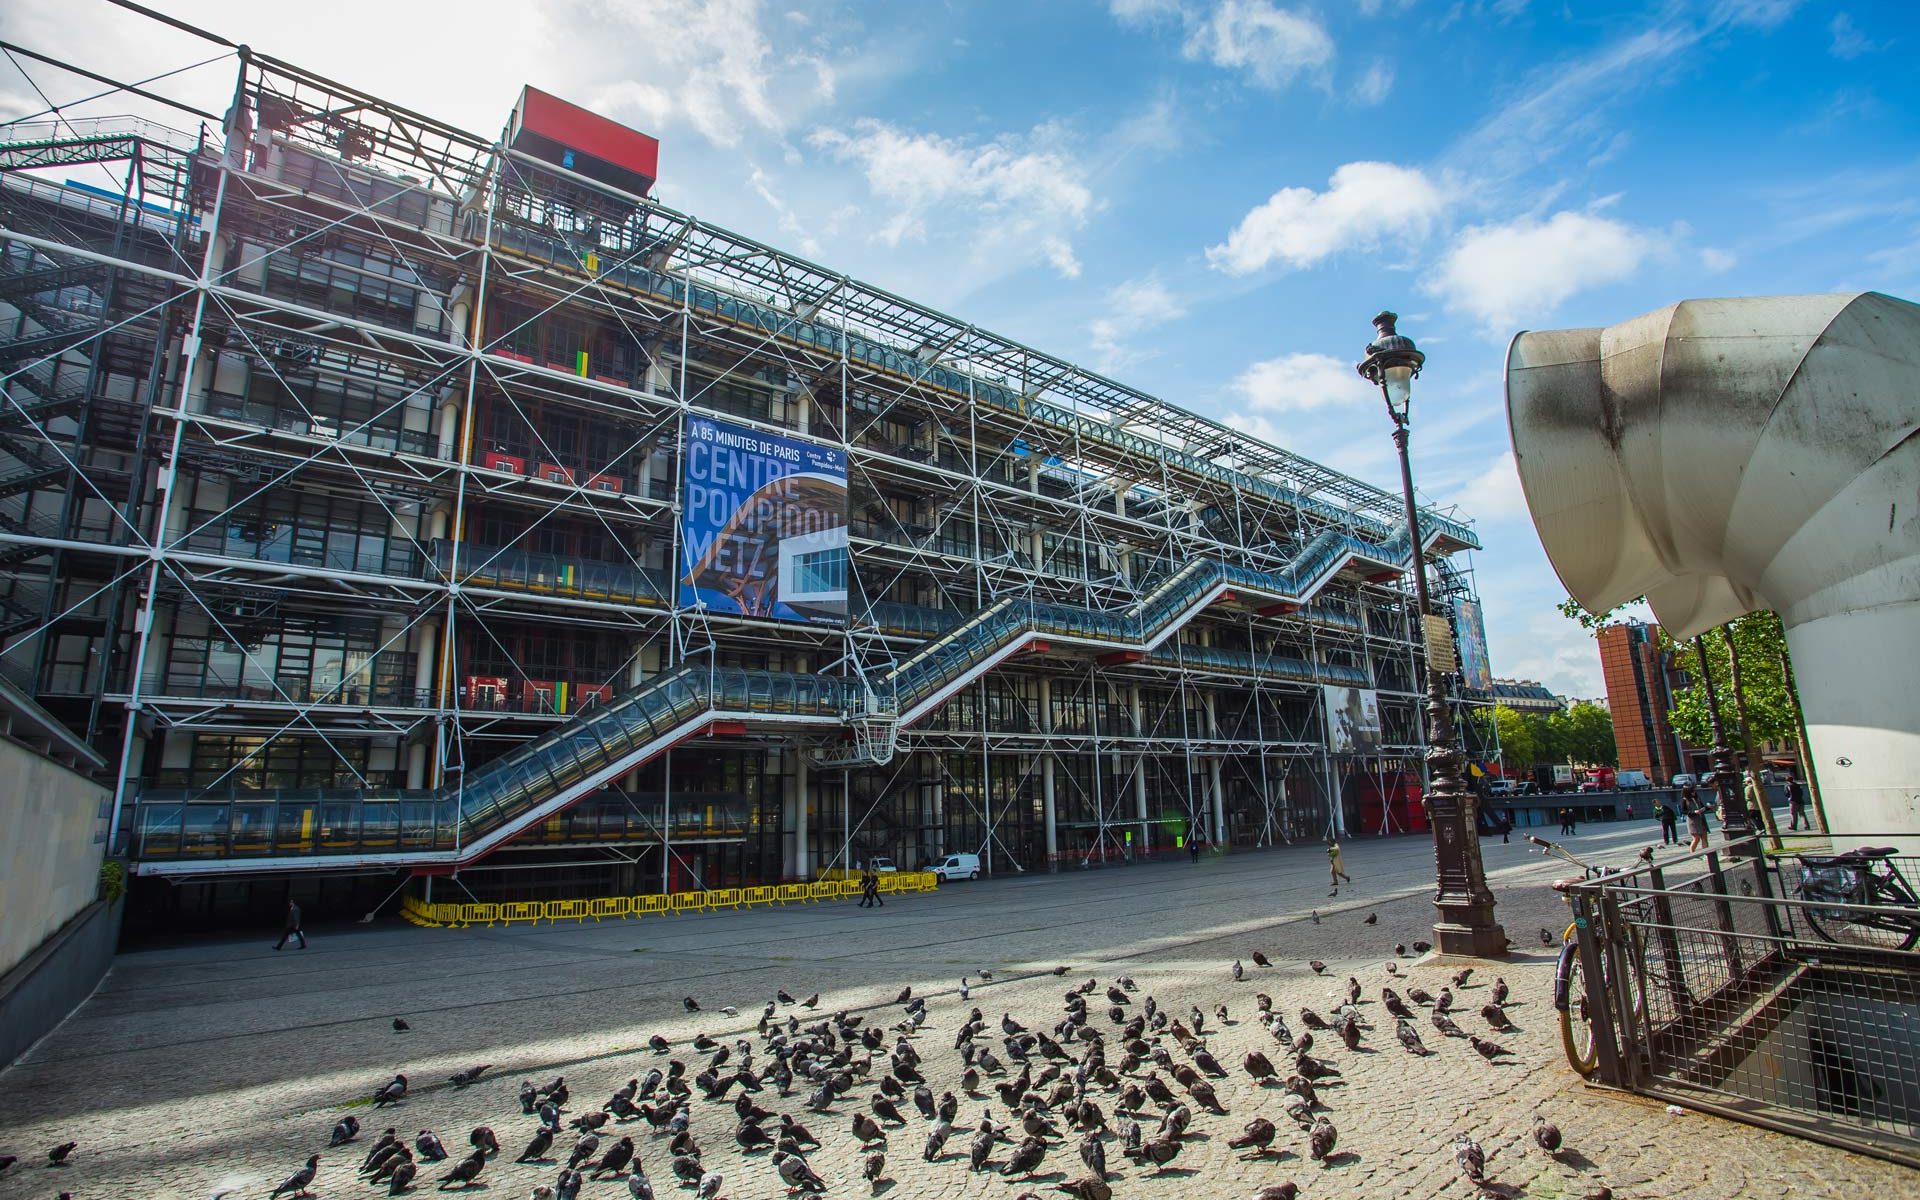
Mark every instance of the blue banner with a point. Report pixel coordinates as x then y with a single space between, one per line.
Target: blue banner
1470 635
763 524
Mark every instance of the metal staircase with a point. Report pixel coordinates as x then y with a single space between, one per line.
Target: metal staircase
179 833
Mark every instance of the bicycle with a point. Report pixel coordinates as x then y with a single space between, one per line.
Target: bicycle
1572 998
1880 910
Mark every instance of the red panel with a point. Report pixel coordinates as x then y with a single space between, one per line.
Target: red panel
572 126
1279 610
1117 657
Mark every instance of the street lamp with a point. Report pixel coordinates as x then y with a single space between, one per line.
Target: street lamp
1466 925
1736 821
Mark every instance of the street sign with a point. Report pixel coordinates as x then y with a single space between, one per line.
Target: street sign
1440 654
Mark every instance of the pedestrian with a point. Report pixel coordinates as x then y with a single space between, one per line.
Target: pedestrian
873 886
292 927
1696 818
1336 866
1506 828
1796 805
1669 825
1629 810
1573 821
1193 848
1563 821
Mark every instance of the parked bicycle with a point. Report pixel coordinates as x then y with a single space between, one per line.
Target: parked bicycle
1880 908
1572 998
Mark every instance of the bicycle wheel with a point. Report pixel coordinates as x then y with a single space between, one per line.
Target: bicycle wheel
1843 928
1576 1022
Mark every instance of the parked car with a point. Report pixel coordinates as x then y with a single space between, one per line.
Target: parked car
1500 788
1632 781
958 866
1686 779
882 863
1593 785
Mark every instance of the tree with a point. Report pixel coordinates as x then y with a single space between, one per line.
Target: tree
1587 730
1760 641
1518 746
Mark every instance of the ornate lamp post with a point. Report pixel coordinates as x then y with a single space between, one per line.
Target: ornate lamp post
1466 925
1736 821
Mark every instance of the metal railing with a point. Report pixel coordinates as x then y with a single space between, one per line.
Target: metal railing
1778 989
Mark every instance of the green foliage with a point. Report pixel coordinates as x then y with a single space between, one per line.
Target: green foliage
1583 734
113 881
1760 641
1591 622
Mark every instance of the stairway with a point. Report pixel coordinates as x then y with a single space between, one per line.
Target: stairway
460 824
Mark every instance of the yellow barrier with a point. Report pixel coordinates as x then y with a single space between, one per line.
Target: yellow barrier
609 906
431 916
520 910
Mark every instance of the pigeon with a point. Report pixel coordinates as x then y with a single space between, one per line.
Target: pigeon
1399 950
1258 1066
1160 1151
1315 914
1372 919
875 1168
1496 1018
1410 1038
583 1150
615 1159
1278 1191
1393 968
710 1185
482 1139
1488 1050
1025 1158
1419 995
1260 960
1445 1025
462 1079
7 1160
812 1001
1472 1159
536 1150
1091 1187
1256 1135
1499 993
906 994
639 1187
394 1091
690 1004
796 1174
1319 968
296 1183
380 1149
400 1026
1444 1001
657 1044
1239 972
1059 970
345 1131
1546 1135
1321 1141
1546 937
401 1179
965 991
429 1147
466 1170
1422 947
568 1185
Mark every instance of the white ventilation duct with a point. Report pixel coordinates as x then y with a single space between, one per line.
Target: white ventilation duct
1722 456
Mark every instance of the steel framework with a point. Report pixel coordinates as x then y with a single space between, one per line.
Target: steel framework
344 475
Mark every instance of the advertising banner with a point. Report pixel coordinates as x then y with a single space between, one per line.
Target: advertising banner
763 525
1470 631
1353 719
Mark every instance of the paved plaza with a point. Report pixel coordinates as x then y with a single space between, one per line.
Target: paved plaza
220 1065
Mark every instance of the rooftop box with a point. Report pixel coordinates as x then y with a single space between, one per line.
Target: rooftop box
566 135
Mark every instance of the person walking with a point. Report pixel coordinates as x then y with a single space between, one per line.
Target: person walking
870 888
1696 819
1669 825
1193 847
1336 866
292 928
1796 805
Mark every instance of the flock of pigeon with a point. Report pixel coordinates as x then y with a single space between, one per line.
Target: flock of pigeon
1117 1072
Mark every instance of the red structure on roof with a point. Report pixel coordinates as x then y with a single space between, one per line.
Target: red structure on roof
586 143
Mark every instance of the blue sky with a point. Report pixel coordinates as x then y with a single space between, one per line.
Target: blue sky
1209 198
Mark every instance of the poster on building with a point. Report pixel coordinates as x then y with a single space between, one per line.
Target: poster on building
763 525
1470 633
1353 719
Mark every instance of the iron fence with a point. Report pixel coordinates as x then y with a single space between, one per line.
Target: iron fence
1781 989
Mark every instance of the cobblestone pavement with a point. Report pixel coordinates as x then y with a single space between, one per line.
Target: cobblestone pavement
221 1064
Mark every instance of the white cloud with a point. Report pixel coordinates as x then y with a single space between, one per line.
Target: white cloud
1272 45
1494 495
1133 308
1019 197
1302 383
1848 41
1365 204
1374 86
1756 14
1505 275
1717 260
1142 12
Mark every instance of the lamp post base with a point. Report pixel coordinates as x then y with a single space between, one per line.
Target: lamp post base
1467 930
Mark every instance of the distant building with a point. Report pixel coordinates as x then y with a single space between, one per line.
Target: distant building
1527 696
1640 683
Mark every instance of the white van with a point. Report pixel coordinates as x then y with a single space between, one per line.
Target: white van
958 866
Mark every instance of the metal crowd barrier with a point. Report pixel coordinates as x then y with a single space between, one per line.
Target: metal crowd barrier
1764 989
604 908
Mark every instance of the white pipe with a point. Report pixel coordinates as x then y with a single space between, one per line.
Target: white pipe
1723 456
